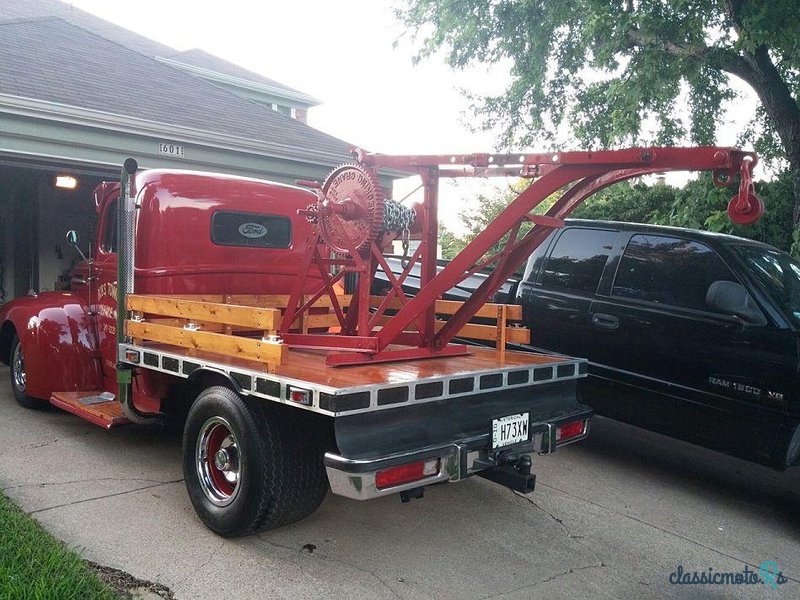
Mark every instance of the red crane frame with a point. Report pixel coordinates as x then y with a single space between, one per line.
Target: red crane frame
579 174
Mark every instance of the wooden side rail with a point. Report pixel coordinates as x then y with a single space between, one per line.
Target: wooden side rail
207 323
449 307
270 353
210 321
247 317
503 331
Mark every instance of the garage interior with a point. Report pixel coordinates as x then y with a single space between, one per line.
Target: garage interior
35 214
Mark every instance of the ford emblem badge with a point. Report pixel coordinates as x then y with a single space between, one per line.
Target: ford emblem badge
252 230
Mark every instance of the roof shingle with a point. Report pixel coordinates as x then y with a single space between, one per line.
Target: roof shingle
53 60
199 58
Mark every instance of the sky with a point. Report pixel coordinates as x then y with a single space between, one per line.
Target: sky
354 57
341 53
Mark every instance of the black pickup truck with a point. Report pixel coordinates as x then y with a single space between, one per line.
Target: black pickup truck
692 334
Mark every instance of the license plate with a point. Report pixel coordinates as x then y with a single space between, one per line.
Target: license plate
509 430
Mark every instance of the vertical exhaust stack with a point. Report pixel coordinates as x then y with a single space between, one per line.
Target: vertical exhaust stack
126 211
125 250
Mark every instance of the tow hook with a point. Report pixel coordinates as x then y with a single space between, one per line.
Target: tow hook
514 473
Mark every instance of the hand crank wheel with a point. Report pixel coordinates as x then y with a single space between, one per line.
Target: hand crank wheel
350 208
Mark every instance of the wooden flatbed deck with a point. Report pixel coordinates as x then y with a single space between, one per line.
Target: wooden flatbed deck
309 365
361 388
236 336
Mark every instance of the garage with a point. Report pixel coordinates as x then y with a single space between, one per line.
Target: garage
36 211
79 95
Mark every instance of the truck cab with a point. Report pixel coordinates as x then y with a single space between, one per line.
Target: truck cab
196 234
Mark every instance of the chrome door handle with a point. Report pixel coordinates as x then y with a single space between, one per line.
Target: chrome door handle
605 321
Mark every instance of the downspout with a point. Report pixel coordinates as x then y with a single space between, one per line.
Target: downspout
126 211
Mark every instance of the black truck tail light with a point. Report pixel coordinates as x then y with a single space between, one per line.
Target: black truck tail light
570 430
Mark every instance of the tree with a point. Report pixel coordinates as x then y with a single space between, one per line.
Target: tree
620 72
699 205
451 244
634 202
477 218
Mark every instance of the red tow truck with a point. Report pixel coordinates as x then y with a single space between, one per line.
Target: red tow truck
220 300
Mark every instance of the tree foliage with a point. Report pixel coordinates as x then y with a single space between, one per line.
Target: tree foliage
698 205
451 243
634 202
626 72
476 218
701 205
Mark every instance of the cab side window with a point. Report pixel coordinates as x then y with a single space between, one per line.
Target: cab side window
670 271
578 260
109 242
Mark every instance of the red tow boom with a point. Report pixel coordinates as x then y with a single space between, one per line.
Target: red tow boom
354 223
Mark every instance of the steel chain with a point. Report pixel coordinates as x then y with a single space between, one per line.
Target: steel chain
405 238
397 217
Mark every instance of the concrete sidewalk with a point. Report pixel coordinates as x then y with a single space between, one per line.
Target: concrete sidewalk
610 518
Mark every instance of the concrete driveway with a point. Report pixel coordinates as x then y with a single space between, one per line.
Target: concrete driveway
610 518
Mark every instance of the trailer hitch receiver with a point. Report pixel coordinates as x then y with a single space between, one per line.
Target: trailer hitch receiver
515 474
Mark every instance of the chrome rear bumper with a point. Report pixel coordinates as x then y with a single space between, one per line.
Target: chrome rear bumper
355 478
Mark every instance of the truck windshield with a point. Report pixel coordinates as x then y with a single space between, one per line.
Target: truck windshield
779 274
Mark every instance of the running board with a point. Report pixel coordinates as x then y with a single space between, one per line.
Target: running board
100 408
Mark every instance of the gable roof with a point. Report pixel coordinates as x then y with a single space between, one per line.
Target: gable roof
74 67
203 60
14 10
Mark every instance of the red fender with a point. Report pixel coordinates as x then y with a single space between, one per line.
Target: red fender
58 341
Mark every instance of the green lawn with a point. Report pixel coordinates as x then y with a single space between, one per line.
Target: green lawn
35 566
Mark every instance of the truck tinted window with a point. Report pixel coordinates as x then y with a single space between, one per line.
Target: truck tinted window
778 273
250 230
577 260
669 271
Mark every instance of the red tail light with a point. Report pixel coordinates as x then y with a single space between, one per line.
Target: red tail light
406 473
570 430
299 395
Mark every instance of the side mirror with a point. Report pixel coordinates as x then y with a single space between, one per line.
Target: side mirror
731 297
72 240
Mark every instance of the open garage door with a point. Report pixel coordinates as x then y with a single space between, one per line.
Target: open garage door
38 205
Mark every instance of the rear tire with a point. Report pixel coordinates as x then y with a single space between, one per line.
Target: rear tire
19 379
249 466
